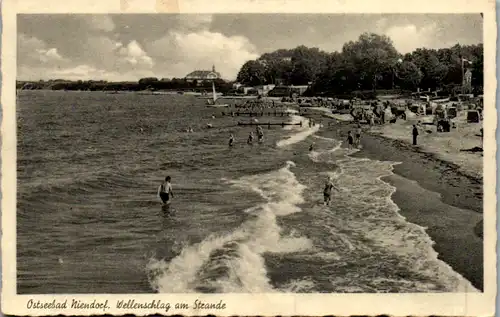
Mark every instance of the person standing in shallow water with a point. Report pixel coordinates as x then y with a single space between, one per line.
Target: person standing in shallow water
350 140
327 191
415 134
165 192
358 135
260 134
231 140
250 138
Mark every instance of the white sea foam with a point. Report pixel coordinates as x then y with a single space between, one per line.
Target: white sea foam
302 133
369 212
362 229
299 286
315 155
246 270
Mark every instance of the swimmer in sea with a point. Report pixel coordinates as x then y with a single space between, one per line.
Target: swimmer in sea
260 134
165 191
231 140
250 138
327 191
311 147
358 135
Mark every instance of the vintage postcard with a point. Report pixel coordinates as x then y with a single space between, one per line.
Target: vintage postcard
292 158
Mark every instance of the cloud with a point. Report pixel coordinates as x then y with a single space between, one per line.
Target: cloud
87 72
49 55
409 37
381 24
134 55
201 50
103 58
81 72
195 21
34 51
27 43
107 53
99 22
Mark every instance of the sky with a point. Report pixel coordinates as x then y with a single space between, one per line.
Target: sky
127 47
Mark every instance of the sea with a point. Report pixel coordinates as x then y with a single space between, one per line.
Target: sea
244 219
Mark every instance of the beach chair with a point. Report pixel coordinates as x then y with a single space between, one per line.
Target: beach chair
473 116
452 112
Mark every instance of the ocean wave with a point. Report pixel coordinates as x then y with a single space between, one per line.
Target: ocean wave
370 226
315 155
234 262
80 184
303 132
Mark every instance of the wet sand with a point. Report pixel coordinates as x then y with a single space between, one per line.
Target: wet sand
433 194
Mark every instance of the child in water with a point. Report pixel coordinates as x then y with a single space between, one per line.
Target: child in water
327 191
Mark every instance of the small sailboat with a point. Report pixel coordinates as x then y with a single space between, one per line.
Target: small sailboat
213 103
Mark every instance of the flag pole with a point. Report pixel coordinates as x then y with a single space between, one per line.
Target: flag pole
463 75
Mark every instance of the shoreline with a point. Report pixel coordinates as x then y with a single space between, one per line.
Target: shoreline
452 211
452 229
447 172
451 147
438 175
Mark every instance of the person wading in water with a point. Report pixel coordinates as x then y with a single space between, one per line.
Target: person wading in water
350 140
327 191
260 134
250 138
165 191
357 140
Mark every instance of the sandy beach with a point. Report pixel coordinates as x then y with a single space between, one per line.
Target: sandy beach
452 209
451 147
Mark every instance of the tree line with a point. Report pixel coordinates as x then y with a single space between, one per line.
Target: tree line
149 83
369 63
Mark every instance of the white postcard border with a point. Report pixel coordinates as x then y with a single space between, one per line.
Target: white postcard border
449 304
